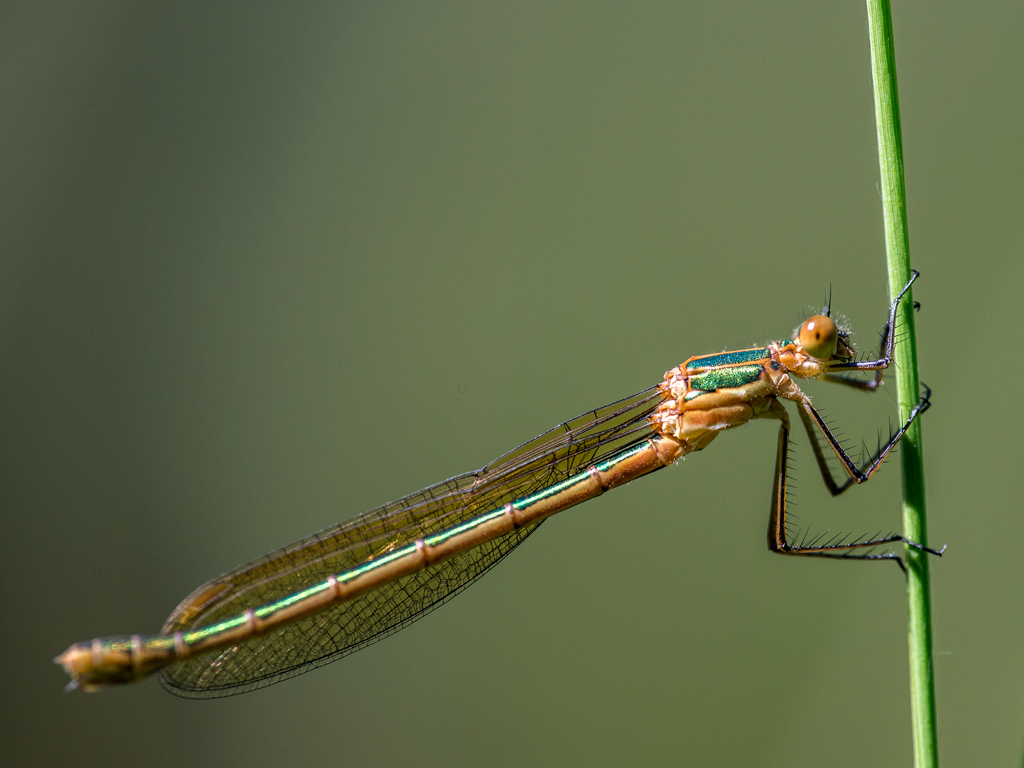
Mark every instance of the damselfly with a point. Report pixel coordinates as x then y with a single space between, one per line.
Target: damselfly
348 586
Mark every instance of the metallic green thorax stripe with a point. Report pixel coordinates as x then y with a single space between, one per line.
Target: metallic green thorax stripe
190 638
728 358
723 378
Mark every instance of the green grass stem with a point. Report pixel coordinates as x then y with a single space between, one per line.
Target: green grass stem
890 160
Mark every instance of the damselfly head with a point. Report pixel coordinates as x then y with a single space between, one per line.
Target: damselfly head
819 336
824 339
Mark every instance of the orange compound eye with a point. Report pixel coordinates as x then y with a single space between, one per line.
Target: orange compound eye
819 337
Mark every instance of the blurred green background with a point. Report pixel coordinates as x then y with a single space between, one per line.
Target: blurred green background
266 266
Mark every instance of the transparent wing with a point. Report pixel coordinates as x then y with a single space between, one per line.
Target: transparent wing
347 627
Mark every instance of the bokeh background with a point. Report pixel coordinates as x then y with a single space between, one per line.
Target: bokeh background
266 266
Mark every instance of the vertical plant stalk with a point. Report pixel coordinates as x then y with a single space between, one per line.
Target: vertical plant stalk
890 160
